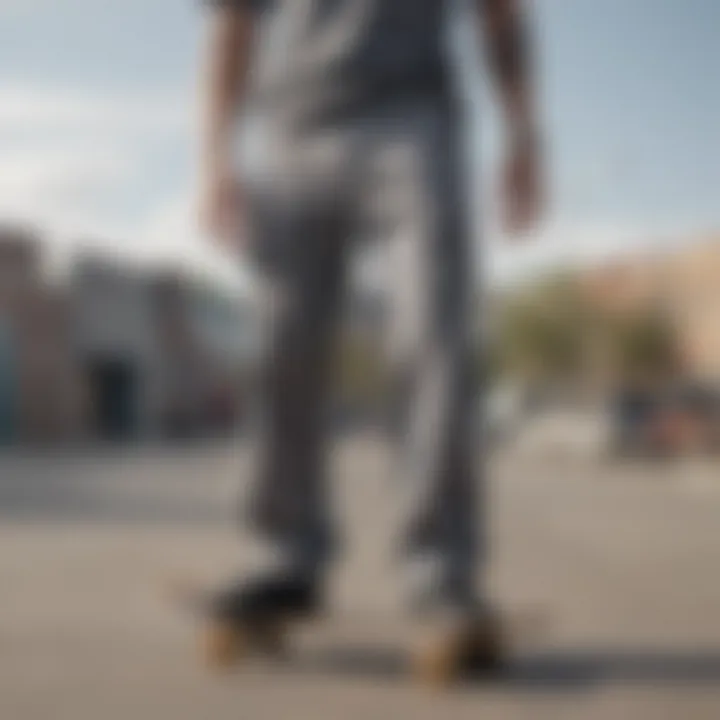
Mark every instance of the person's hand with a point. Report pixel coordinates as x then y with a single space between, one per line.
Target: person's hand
522 185
221 208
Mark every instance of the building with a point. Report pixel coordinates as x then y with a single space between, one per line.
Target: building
684 284
18 280
117 349
41 396
114 351
693 292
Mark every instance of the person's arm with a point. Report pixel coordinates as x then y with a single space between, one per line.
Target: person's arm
510 60
227 67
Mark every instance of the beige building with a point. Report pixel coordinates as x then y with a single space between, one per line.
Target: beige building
685 283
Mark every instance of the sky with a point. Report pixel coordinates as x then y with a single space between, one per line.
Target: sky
98 126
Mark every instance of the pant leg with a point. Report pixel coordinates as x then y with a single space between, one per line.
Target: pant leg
419 203
298 242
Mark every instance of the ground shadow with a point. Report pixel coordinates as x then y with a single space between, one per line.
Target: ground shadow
570 671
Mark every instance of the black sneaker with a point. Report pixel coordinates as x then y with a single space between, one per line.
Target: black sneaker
267 598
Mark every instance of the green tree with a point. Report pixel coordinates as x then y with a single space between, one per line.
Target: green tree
541 334
643 346
552 334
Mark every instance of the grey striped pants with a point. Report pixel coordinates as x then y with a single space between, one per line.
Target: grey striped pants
395 175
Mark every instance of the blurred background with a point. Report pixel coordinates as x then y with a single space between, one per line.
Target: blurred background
98 140
127 347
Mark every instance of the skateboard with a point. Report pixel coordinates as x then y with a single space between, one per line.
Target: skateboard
436 656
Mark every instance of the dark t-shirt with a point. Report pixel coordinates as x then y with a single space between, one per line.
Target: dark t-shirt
326 58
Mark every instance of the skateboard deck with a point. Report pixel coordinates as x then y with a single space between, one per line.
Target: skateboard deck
379 644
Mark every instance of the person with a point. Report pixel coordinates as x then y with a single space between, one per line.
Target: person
363 130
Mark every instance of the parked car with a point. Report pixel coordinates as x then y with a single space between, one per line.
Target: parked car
677 420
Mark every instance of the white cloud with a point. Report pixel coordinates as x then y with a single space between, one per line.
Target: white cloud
575 243
78 146
64 149
171 234
57 174
54 189
72 160
57 109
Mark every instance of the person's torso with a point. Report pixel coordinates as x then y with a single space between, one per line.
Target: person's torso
321 59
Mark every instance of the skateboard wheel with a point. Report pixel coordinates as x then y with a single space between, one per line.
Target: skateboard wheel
222 645
447 657
437 664
270 639
485 652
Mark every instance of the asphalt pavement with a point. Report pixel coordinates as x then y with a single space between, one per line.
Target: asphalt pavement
612 572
